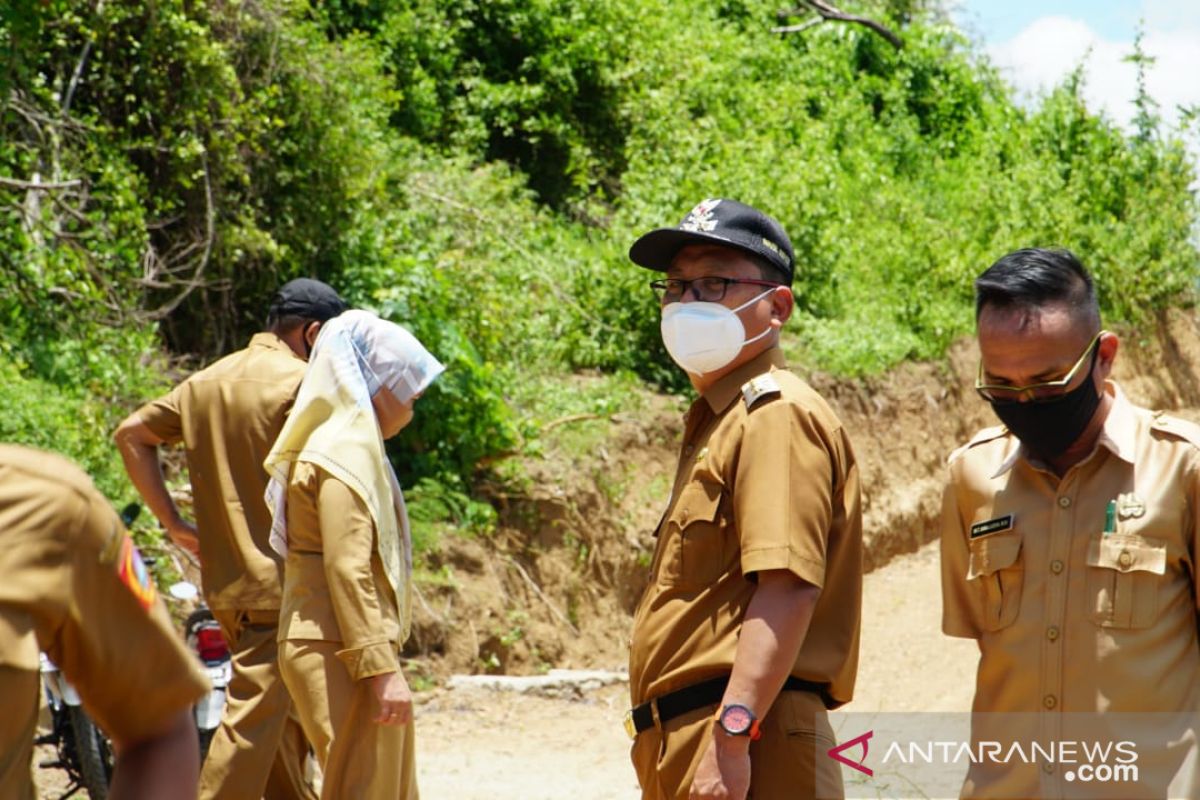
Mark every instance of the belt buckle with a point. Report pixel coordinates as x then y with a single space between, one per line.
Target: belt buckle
630 728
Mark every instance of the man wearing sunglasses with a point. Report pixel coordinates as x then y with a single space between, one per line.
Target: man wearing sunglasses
1069 541
748 629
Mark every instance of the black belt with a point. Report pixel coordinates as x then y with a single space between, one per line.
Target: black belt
706 693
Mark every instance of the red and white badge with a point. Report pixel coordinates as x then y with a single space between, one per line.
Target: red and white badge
133 573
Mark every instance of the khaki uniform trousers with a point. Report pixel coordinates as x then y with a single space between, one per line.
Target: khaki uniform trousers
259 751
20 689
789 762
359 758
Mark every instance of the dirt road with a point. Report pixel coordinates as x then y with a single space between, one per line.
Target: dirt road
477 745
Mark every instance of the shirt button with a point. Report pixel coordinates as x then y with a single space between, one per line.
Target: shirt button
1125 559
1050 701
1052 633
1064 502
1056 566
1048 768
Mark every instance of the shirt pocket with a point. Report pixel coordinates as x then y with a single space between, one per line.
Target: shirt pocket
996 566
695 555
1124 571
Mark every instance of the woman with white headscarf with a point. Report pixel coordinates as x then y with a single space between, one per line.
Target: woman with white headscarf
340 522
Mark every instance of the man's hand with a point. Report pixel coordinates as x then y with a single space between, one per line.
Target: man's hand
395 699
724 770
184 534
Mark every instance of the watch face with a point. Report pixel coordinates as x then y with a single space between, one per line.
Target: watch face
736 719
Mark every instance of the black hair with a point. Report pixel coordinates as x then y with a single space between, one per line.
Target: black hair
1034 278
286 323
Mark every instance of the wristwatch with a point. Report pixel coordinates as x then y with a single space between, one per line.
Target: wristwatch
738 720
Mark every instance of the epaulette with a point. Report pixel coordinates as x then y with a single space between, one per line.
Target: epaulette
1179 428
985 435
759 387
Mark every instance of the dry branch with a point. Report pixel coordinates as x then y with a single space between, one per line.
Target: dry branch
38 186
541 595
829 12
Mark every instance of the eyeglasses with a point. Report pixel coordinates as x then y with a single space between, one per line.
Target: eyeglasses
1035 392
709 290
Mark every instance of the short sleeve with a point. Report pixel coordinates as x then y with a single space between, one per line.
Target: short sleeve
164 416
960 613
116 644
784 491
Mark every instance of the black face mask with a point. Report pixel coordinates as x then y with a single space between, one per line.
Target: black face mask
1048 429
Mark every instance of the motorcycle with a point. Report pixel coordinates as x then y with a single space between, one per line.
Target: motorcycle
204 638
83 750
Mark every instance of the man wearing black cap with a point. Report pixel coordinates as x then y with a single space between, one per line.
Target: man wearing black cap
748 630
227 417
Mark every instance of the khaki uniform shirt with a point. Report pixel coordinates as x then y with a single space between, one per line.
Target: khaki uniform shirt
72 584
766 480
1070 618
335 588
227 417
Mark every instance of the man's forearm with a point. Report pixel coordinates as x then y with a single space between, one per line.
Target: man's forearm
167 765
776 623
140 455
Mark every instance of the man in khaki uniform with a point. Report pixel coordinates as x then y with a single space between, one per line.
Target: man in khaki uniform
72 584
227 417
1069 538
748 630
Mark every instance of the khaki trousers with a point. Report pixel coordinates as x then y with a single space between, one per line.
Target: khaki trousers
360 758
789 762
20 690
259 750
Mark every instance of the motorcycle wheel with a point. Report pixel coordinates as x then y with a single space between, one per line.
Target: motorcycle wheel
95 755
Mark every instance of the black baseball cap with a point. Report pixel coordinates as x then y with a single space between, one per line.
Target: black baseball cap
722 222
307 298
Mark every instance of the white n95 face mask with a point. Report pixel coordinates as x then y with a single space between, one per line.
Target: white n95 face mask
702 337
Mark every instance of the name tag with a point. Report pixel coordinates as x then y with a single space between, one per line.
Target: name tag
996 525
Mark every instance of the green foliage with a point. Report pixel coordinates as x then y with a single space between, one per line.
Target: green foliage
535 83
476 170
43 415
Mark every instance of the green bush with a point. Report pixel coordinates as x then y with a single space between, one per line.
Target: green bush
43 415
477 171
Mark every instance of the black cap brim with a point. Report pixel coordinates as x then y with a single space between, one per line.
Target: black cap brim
658 248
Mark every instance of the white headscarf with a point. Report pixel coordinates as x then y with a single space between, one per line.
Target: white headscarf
333 425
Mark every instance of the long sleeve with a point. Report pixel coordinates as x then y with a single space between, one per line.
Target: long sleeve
366 619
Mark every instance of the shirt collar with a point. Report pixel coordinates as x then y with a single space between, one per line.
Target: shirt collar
271 341
1117 435
725 390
